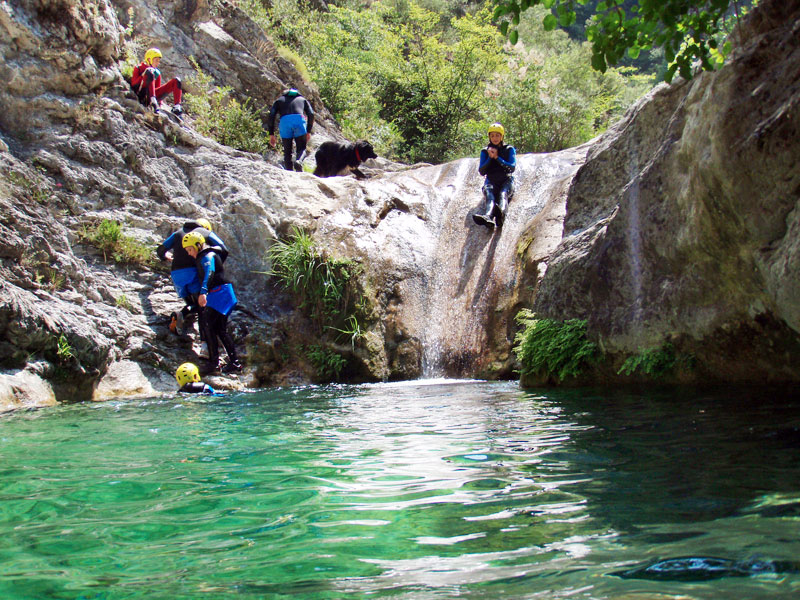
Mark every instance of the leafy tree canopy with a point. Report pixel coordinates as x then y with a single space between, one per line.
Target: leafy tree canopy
686 29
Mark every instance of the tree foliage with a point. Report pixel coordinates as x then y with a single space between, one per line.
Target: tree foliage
685 29
421 79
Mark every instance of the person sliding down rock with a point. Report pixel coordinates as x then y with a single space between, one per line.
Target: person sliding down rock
146 83
217 299
496 164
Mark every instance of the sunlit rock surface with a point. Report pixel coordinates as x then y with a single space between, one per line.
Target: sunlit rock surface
679 224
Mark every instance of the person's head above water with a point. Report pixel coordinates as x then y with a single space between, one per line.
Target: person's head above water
187 373
204 223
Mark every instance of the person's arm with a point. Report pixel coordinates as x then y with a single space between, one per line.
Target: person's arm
309 114
271 123
207 264
510 164
483 162
136 77
165 247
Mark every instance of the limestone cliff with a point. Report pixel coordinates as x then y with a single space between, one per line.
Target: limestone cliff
679 224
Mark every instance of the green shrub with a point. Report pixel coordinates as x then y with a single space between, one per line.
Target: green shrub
64 351
219 116
325 287
655 362
327 363
108 237
552 349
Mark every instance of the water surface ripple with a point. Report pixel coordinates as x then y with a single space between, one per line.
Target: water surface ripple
431 489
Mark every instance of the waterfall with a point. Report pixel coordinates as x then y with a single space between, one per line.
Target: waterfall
471 288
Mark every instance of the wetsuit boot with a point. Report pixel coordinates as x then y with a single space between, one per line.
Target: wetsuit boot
500 208
485 218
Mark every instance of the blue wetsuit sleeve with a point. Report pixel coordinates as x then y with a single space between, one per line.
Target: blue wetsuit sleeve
483 162
207 263
166 245
510 164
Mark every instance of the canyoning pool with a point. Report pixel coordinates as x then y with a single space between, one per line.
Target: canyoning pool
427 489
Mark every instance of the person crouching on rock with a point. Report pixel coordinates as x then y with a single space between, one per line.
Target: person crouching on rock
217 299
188 376
497 163
146 83
184 268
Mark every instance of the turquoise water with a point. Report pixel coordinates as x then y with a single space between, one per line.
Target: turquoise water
421 490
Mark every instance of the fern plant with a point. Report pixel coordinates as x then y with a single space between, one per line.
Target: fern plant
552 349
655 362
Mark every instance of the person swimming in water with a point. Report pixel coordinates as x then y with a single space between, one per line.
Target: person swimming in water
188 376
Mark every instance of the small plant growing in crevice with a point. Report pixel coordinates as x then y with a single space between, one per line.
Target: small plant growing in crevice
35 189
327 363
123 302
64 351
552 349
108 237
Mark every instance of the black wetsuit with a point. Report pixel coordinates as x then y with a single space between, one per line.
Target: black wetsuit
184 268
197 387
296 120
498 183
214 320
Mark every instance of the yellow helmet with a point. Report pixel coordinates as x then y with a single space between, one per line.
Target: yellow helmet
187 372
205 223
497 128
193 239
151 54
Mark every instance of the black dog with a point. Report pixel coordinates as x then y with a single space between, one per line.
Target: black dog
336 158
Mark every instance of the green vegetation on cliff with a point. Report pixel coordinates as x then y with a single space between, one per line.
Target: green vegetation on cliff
326 290
549 349
421 80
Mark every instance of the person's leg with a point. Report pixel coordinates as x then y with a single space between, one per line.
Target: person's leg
484 217
300 144
227 341
287 153
501 202
209 321
174 87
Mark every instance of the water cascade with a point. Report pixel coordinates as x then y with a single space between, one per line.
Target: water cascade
469 295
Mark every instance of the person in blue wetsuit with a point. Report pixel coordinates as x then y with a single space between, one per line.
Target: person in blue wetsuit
183 268
496 164
188 376
217 299
296 121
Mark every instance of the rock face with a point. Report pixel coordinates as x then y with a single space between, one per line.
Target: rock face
683 226
678 225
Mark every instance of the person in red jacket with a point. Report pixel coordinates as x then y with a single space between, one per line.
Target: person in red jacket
146 83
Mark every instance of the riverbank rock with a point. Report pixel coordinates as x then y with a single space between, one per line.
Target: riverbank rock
679 225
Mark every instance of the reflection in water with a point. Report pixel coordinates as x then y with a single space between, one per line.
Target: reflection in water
435 489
